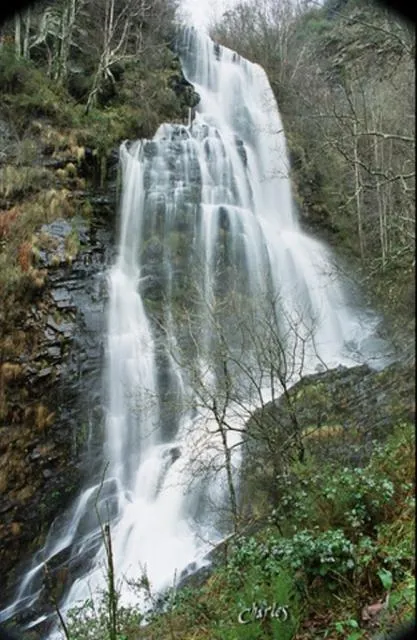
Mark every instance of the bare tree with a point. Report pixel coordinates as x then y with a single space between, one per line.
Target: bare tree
124 35
253 355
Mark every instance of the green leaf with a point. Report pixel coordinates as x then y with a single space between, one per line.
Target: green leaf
352 623
386 578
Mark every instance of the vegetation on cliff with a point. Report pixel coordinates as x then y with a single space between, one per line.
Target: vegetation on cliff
76 79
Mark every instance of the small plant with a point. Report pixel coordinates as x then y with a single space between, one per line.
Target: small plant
72 245
89 621
349 629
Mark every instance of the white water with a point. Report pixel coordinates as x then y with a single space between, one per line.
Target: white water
207 219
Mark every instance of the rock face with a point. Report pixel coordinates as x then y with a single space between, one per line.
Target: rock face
52 412
335 414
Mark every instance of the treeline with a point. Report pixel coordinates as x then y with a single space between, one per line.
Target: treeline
343 74
84 45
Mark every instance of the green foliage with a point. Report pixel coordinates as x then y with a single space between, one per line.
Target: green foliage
104 128
15 73
28 93
153 96
17 182
348 629
386 578
312 24
356 500
315 553
402 599
245 600
89 621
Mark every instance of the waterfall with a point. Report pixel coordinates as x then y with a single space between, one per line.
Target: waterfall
211 256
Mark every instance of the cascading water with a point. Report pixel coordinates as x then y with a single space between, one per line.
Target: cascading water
208 232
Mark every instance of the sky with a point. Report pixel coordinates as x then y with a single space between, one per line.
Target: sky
203 12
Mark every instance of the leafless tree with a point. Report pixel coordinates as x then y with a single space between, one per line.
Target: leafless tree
252 356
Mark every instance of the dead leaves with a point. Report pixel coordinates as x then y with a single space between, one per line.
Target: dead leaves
371 613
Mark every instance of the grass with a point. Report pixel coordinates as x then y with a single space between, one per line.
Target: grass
19 181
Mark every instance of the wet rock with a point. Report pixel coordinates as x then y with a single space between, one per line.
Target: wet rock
60 294
65 328
54 353
66 304
240 147
44 373
57 229
31 371
5 505
102 200
151 149
53 238
224 222
194 577
52 163
174 453
52 324
50 335
153 251
62 387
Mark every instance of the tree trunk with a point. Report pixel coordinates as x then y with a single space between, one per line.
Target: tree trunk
27 35
68 17
229 474
18 35
358 189
379 198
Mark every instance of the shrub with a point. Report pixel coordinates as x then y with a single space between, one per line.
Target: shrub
315 553
354 499
14 72
89 621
